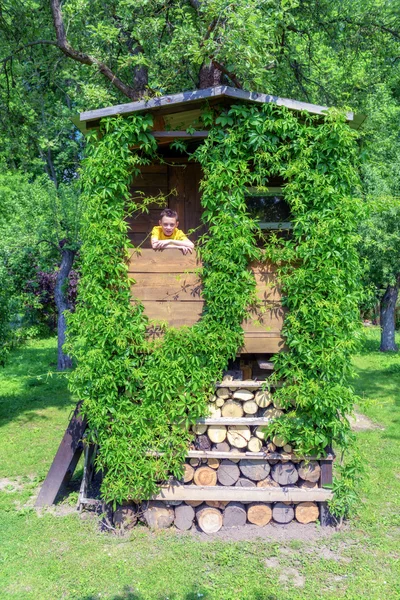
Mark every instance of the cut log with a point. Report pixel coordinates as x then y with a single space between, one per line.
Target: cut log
184 517
216 433
209 520
263 398
243 395
202 442
205 476
232 409
228 472
307 512
158 516
285 473
223 393
271 447
217 503
279 441
250 407
254 469
194 462
245 483
222 447
310 470
234 515
213 398
213 463
188 473
125 517
272 413
199 428
267 483
259 514
254 444
214 411
287 448
308 485
281 513
219 402
260 433
279 404
193 503
239 435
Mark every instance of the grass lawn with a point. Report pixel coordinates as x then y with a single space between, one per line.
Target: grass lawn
60 556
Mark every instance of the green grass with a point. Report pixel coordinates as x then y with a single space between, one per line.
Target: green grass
63 557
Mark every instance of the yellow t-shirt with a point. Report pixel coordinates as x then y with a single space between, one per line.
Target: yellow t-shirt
158 234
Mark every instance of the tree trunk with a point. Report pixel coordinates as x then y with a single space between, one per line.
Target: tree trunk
387 314
61 298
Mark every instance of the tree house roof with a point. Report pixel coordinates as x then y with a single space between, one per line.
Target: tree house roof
192 100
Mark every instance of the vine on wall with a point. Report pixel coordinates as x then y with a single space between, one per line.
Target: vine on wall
140 396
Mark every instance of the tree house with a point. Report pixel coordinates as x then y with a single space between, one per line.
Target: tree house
166 281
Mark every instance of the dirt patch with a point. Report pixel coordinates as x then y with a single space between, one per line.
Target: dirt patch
292 577
272 532
360 422
10 485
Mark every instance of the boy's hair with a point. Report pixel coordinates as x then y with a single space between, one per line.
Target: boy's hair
168 212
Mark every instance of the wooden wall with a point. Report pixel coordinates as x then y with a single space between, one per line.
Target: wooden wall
170 289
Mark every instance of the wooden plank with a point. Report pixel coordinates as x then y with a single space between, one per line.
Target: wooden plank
247 384
166 280
234 420
253 455
202 134
180 292
154 168
170 260
241 494
266 365
266 318
326 479
65 460
265 344
151 180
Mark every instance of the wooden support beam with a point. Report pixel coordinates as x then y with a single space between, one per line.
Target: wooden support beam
184 135
234 421
326 479
249 384
65 460
241 494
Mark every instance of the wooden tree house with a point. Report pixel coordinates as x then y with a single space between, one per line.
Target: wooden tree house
168 285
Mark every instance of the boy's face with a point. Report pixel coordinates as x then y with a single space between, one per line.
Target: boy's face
168 224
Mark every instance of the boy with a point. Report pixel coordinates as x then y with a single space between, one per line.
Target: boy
167 234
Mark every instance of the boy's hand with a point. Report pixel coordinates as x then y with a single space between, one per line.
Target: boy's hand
161 244
186 250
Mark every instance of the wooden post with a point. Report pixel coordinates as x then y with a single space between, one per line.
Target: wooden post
326 478
65 460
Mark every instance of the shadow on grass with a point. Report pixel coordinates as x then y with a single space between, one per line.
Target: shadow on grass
129 594
30 383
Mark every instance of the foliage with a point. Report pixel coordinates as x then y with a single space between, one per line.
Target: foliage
35 221
320 276
380 243
140 396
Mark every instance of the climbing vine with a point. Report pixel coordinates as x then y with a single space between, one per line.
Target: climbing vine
141 395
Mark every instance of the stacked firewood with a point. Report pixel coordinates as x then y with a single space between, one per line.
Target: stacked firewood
232 403
229 454
211 515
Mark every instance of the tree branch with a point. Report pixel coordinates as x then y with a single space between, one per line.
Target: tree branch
225 71
86 59
21 48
